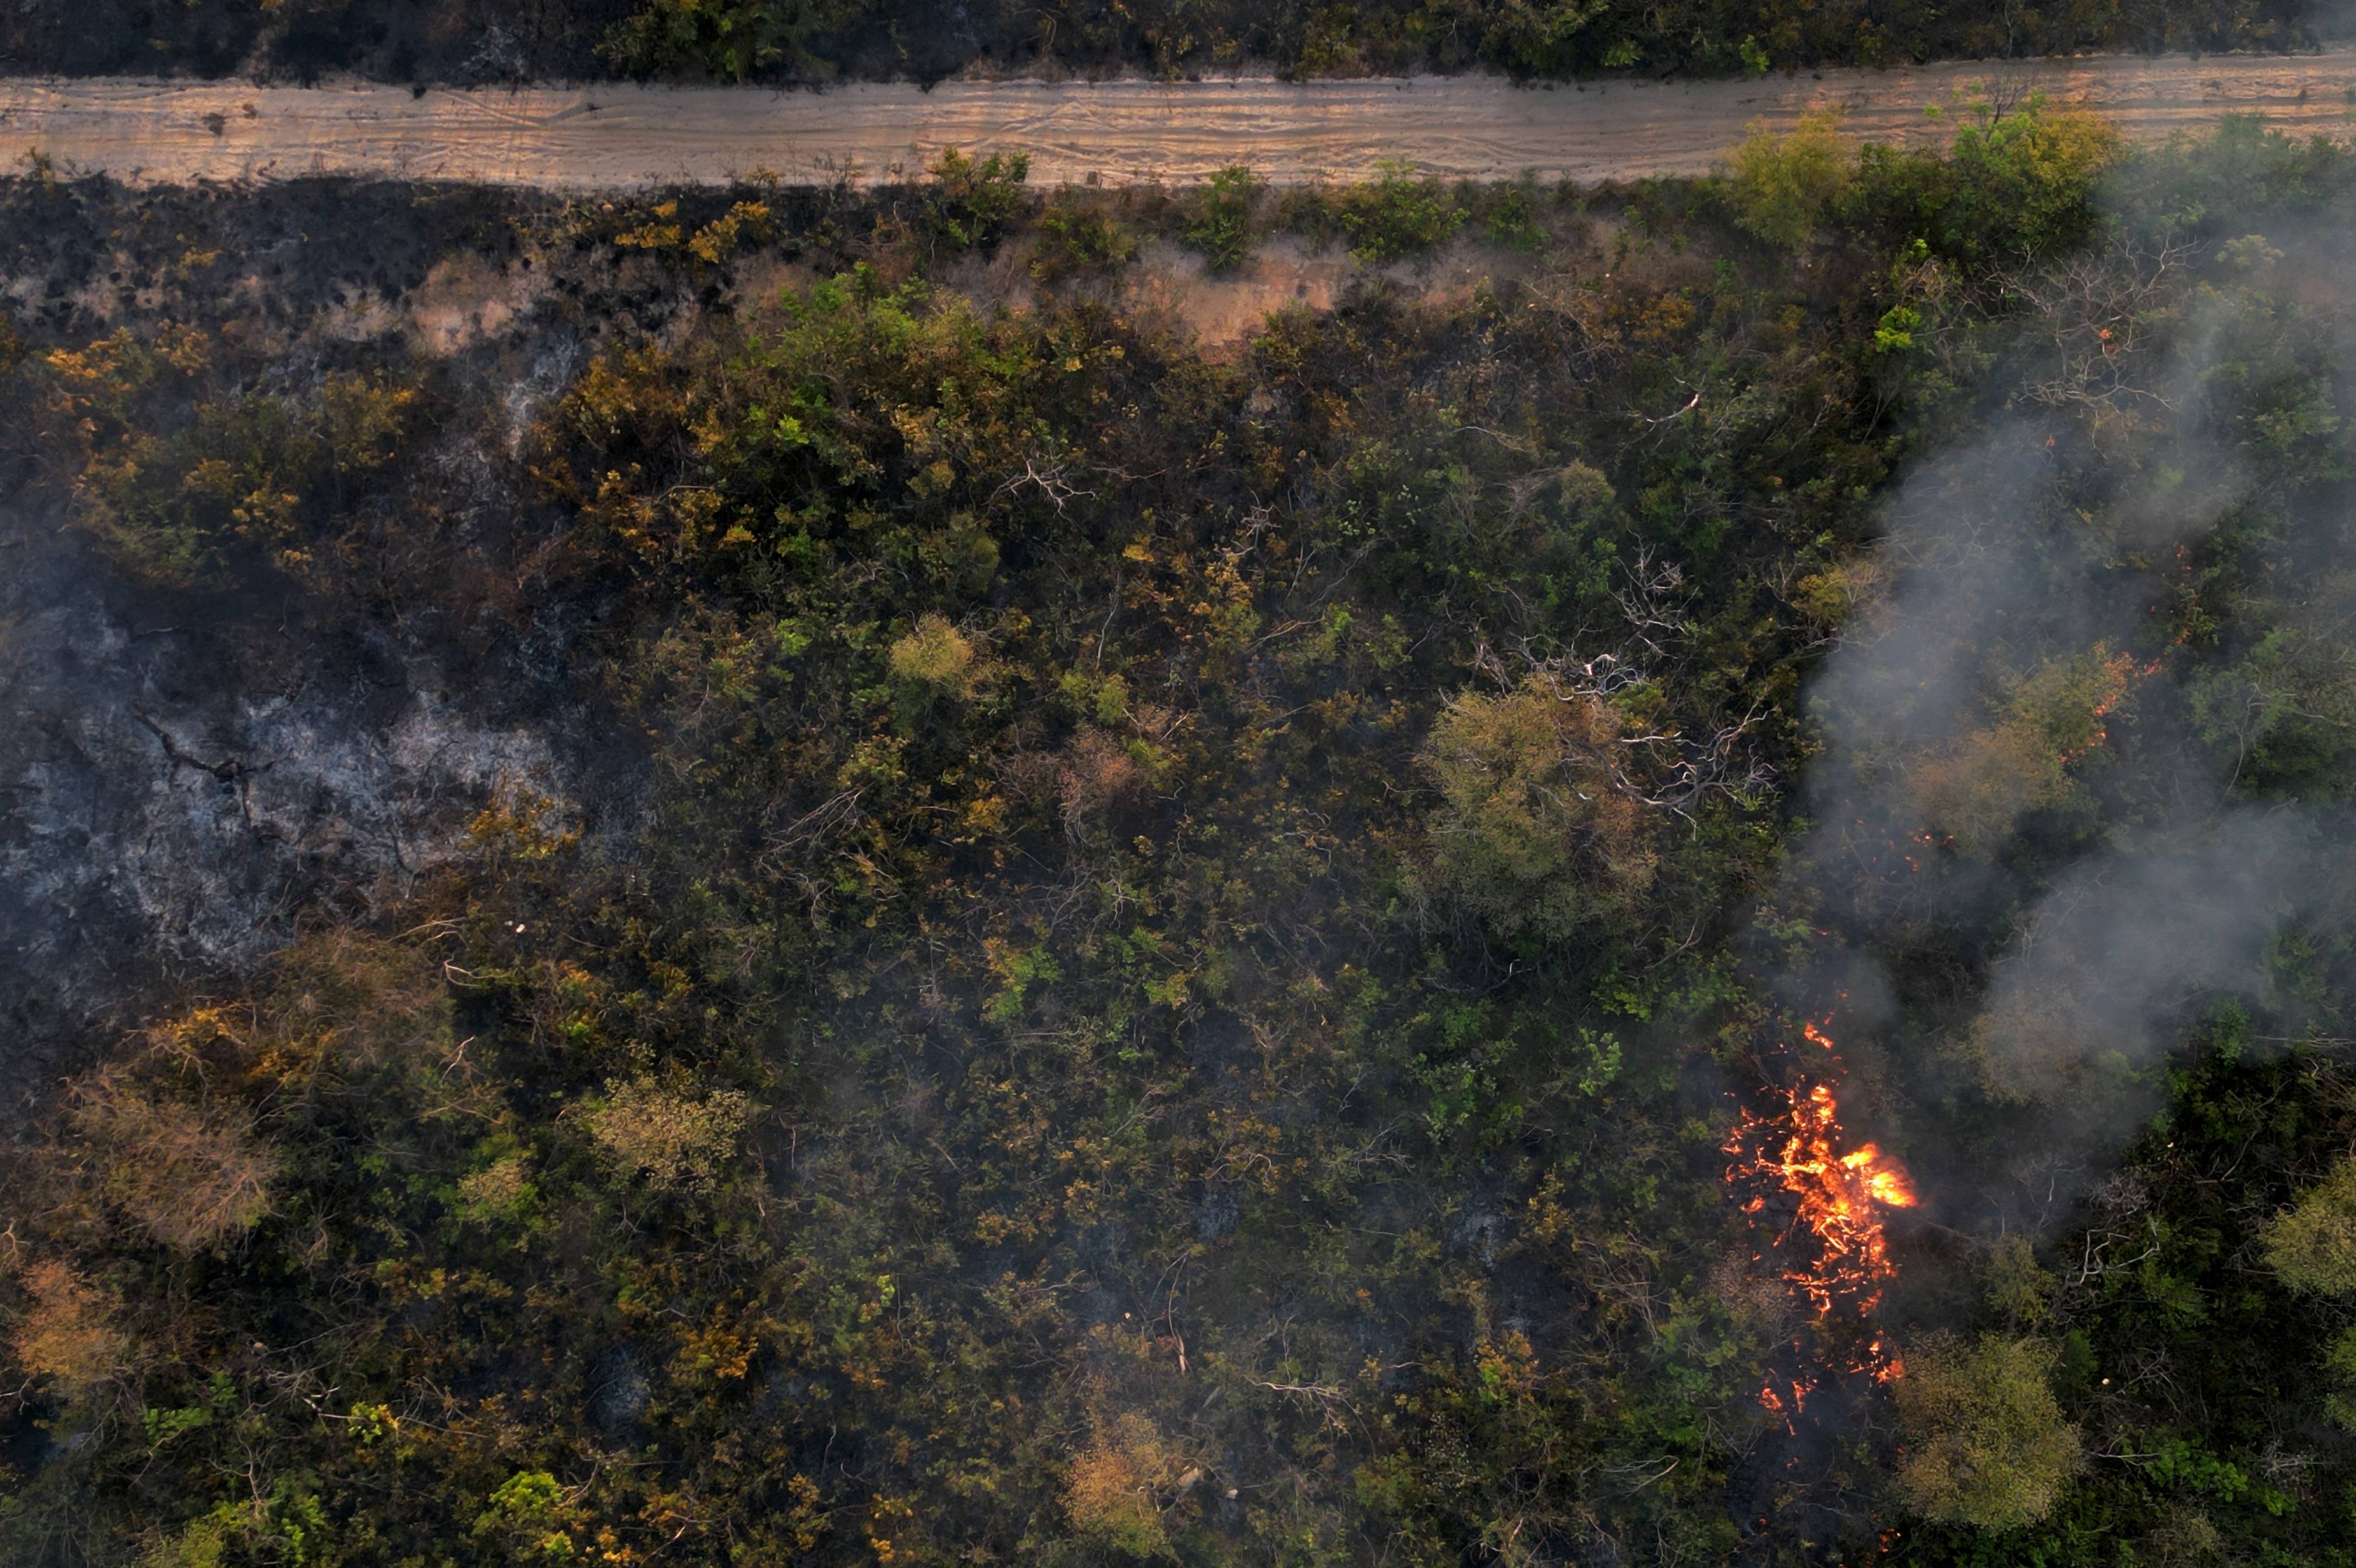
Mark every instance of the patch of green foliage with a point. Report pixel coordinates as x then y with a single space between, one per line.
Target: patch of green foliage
1079 238
1513 215
724 41
1220 225
1396 215
1783 187
2016 186
1985 1443
808 39
2163 1278
967 203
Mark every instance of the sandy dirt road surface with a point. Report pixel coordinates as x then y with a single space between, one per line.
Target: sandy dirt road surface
620 136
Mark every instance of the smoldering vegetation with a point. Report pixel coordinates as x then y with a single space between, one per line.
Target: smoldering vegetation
2080 864
196 772
168 821
2083 734
284 611
958 726
794 880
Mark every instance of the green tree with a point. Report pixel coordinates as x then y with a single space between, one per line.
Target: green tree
968 201
1541 828
933 657
1220 225
1984 1441
2013 187
1783 187
1396 215
726 40
2047 728
2312 1244
673 1138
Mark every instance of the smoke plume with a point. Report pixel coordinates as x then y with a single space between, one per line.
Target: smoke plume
2033 833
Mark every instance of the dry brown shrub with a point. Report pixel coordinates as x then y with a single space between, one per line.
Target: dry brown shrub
70 1333
1114 1489
358 1000
1097 772
1029 776
187 1174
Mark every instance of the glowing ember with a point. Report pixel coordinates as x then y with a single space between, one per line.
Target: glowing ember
1832 1245
2117 674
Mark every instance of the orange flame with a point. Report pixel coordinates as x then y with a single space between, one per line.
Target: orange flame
1835 1250
2120 676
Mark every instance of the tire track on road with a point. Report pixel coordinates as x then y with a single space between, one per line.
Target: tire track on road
627 135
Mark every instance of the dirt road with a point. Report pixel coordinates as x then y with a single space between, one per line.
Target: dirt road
618 135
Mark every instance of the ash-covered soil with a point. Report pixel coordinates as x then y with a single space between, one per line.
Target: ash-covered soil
194 768
190 771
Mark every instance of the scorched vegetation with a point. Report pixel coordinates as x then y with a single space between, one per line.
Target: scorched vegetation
1126 945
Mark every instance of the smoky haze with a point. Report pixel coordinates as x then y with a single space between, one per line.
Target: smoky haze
2032 830
168 812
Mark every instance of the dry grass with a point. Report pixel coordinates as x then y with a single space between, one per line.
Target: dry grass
669 1138
188 1177
70 1333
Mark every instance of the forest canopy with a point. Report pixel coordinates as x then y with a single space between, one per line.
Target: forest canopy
817 40
1096 940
